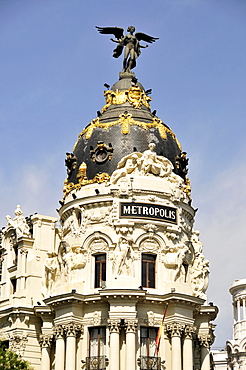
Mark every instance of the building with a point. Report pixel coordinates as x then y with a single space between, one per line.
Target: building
92 293
236 348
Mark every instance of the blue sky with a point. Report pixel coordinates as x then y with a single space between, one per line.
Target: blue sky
53 67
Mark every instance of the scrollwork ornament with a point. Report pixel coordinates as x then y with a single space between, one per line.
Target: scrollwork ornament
189 331
46 340
131 326
114 325
72 329
17 342
59 331
175 329
206 339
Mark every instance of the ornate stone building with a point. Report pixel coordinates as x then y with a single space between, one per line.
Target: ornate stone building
236 348
91 293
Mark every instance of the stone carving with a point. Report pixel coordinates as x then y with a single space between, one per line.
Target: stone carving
175 329
197 245
17 342
123 259
114 325
199 276
127 165
176 262
147 163
46 340
153 164
19 224
66 267
51 271
130 42
149 245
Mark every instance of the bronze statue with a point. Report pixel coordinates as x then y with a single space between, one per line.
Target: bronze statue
130 42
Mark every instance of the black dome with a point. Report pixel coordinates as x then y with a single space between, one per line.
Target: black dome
125 125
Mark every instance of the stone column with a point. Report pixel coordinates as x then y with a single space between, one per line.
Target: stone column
188 348
131 326
238 311
72 331
244 313
175 331
114 358
45 340
205 341
60 348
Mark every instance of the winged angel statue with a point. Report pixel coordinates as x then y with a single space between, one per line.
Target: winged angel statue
130 42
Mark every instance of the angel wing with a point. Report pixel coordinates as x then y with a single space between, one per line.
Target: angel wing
142 36
116 31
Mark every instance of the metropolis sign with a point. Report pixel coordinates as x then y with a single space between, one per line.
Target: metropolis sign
148 211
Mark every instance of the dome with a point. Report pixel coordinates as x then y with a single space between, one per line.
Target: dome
124 125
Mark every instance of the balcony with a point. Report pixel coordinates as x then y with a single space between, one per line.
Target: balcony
149 363
96 363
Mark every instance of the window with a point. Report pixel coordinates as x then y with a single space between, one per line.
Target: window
100 269
97 341
13 284
148 270
147 341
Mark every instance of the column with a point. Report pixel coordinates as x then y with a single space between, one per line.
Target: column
131 326
114 359
175 330
238 310
60 348
244 313
71 332
45 340
205 341
188 348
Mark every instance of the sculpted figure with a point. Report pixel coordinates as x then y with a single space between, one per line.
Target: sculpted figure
51 269
127 165
151 163
199 276
130 42
78 262
174 261
197 245
19 223
122 264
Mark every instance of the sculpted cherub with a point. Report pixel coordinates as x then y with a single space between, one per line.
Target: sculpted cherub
130 42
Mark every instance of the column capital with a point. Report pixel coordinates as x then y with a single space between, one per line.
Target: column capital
131 325
72 330
59 331
114 325
206 339
189 330
174 329
46 340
